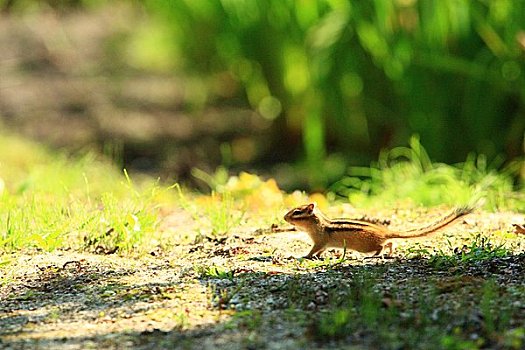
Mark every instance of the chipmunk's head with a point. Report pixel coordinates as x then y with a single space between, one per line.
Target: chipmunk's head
302 214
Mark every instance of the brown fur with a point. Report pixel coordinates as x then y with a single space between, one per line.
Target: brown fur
361 236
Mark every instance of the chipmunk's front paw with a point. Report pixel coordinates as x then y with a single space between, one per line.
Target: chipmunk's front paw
312 257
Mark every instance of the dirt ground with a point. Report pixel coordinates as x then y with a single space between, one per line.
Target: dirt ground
228 293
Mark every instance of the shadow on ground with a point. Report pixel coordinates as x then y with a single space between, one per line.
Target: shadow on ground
418 303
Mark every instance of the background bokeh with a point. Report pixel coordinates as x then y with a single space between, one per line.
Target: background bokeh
297 90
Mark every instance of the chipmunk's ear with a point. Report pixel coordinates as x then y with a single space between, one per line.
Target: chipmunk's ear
310 207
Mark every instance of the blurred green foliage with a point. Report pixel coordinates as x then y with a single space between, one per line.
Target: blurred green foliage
343 79
357 76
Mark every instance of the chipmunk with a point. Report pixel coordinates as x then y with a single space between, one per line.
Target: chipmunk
361 236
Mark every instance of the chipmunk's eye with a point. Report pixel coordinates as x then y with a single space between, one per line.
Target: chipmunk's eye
297 212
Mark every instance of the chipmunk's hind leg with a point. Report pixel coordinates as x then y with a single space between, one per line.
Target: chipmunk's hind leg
316 251
377 253
318 254
390 247
380 249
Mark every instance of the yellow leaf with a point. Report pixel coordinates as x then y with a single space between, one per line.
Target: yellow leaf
320 199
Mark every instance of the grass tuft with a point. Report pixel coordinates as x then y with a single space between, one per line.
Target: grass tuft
55 201
480 249
407 173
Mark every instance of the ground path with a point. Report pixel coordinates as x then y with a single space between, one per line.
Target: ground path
246 291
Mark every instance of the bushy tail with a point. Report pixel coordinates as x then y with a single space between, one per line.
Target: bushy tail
445 221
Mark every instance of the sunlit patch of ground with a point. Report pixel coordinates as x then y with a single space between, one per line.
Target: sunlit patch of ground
247 289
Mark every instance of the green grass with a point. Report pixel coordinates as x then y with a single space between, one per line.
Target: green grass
217 214
398 321
450 297
407 174
213 272
481 249
52 200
